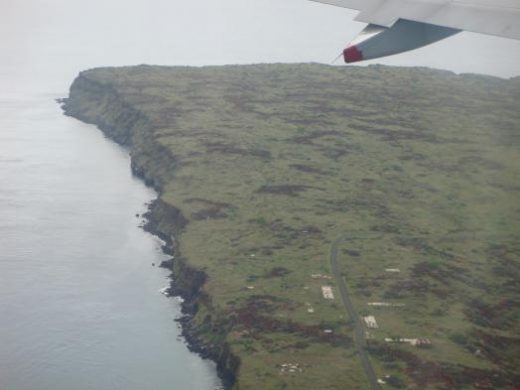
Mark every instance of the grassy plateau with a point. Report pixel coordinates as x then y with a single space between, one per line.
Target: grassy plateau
416 169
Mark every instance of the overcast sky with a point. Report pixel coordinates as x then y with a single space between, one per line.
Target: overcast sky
58 38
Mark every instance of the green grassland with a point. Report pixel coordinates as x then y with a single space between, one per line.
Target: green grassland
417 169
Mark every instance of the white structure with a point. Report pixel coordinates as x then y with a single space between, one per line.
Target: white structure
370 322
392 270
327 292
421 342
385 304
320 276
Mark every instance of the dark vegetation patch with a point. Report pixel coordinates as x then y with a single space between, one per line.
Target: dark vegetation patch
283 189
211 209
412 157
481 162
441 271
440 166
407 288
507 187
507 262
443 375
254 317
208 202
504 251
334 205
308 138
367 182
282 235
277 227
378 209
333 152
208 214
308 169
417 286
393 135
140 97
385 228
282 231
395 382
188 133
219 147
266 250
311 230
366 285
351 252
506 272
369 282
500 350
166 117
317 119
503 315
277 272
421 245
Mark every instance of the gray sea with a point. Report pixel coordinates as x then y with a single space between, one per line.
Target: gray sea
80 306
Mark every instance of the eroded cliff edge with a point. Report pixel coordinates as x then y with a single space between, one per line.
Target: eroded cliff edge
260 168
95 102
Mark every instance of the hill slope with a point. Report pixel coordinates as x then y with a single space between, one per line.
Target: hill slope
261 168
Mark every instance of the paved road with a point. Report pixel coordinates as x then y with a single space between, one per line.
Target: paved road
359 330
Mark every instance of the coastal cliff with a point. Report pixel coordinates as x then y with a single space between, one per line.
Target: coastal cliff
260 168
98 103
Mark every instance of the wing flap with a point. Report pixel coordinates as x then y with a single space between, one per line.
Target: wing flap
350 4
494 17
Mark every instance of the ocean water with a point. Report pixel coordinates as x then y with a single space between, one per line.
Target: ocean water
80 306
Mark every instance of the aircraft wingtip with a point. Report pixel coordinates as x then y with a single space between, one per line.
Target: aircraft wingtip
352 54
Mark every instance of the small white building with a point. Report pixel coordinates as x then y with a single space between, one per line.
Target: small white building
420 342
320 276
370 322
385 304
327 292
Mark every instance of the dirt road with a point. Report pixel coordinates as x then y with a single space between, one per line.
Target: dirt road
359 331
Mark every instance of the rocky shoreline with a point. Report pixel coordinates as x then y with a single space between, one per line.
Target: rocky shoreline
95 103
186 283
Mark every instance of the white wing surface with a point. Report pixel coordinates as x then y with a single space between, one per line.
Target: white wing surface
494 17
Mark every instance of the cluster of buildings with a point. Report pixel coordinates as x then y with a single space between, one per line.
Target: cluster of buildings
370 320
290 368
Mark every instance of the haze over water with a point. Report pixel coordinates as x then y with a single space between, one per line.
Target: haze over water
79 300
80 306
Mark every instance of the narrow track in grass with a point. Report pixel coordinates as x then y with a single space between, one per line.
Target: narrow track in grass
359 332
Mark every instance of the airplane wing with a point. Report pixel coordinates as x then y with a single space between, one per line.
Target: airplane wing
427 21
